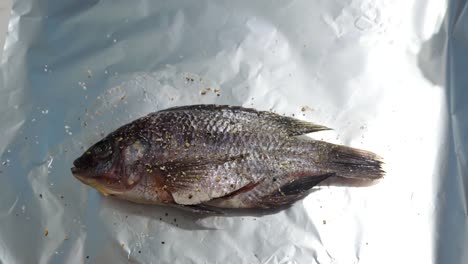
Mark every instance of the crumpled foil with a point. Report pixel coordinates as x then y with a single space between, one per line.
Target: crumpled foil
387 76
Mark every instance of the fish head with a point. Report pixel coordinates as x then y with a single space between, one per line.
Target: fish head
104 166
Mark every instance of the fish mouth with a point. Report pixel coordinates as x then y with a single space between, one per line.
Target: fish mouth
82 176
75 170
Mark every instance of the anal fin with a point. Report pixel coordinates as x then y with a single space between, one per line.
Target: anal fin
202 209
291 191
302 184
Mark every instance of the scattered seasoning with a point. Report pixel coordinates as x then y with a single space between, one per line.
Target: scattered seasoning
119 139
87 257
61 196
324 222
66 237
218 179
175 219
46 232
166 214
306 108
40 195
187 144
139 251
190 196
160 218
203 92
162 242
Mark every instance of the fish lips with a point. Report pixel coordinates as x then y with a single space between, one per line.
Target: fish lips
92 182
89 179
81 173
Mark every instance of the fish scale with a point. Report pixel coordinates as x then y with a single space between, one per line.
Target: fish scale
210 157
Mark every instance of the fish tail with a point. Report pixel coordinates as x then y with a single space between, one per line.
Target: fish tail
354 163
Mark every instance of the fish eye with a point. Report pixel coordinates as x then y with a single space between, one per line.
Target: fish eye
102 149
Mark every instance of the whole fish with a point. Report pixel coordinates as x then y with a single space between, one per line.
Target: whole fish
211 157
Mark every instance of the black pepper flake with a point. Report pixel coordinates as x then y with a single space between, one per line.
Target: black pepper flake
61 196
139 251
274 179
166 214
87 257
175 219
40 195
162 242
160 218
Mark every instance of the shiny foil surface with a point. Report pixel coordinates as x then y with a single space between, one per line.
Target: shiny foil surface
388 76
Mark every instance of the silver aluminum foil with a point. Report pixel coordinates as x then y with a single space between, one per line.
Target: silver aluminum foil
388 76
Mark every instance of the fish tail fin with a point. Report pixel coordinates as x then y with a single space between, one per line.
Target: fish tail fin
354 163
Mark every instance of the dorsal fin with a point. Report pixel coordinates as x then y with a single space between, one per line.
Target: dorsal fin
265 120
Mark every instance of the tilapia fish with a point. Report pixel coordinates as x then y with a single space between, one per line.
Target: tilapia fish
211 157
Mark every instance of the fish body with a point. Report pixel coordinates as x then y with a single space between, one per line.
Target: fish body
218 157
